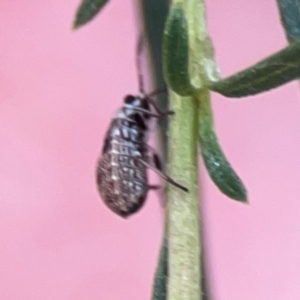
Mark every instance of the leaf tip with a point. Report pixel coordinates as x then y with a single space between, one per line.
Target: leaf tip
244 200
241 194
75 25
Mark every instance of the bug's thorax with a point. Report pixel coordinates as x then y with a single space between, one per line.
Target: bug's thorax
133 119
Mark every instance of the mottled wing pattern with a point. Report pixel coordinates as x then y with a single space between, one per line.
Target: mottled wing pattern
122 178
106 185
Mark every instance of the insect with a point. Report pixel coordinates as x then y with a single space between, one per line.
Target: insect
122 169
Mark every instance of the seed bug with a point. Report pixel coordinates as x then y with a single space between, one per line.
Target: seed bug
122 169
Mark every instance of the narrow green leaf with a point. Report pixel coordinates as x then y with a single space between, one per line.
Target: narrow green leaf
290 18
154 15
87 10
159 291
276 70
215 161
175 52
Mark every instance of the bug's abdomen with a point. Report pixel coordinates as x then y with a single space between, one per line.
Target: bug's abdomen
122 180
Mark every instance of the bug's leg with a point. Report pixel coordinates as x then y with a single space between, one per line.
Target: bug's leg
159 167
146 112
158 92
156 166
161 193
162 91
139 52
157 162
162 114
154 187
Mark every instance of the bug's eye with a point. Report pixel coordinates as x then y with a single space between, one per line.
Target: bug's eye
129 99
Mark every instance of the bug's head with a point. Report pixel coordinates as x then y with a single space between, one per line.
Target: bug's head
140 101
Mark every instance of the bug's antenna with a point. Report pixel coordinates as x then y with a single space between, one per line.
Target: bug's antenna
139 52
162 91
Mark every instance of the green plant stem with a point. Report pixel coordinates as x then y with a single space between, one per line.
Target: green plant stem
183 215
184 221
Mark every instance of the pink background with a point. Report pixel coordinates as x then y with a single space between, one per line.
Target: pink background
58 92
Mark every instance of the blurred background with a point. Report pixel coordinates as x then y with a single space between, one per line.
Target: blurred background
59 90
